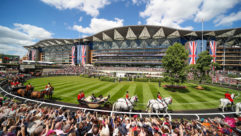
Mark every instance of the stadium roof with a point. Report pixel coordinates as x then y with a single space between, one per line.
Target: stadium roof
229 36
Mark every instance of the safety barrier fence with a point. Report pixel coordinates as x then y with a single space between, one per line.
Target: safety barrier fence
112 112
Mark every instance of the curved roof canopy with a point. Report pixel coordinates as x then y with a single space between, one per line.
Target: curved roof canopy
230 36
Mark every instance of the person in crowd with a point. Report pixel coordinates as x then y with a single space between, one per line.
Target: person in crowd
13 84
1 101
29 119
228 96
17 83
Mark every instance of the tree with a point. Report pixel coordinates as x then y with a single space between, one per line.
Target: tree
203 65
175 64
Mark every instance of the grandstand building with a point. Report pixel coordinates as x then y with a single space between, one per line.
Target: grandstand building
139 46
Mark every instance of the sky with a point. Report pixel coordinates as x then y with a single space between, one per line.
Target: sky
25 22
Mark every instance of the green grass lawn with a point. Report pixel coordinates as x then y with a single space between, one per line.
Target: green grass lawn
68 87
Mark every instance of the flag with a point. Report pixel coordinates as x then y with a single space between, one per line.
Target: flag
192 52
83 54
28 55
212 50
33 54
73 55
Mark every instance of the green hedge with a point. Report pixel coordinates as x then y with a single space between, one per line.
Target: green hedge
155 79
85 75
141 79
109 79
124 79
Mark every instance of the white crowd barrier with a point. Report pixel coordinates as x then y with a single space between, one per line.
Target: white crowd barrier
115 112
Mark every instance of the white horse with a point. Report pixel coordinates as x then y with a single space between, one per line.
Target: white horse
225 102
158 106
238 107
123 105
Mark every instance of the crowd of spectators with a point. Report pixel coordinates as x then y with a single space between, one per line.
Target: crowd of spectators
70 69
19 119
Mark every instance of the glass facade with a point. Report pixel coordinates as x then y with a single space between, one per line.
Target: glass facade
58 54
131 52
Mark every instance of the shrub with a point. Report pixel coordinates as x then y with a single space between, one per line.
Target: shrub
109 79
142 79
124 79
85 76
155 79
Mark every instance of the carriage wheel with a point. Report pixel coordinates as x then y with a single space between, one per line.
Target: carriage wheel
108 105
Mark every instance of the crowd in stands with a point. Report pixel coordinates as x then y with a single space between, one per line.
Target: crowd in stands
8 71
70 69
143 69
19 119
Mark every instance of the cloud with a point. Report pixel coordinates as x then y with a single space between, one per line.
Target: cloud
91 7
213 8
33 32
170 12
139 22
173 13
99 24
228 20
138 2
12 40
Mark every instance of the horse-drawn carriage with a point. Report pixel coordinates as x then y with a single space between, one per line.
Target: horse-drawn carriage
24 91
20 90
97 103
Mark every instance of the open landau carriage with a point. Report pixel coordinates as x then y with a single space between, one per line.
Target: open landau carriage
97 103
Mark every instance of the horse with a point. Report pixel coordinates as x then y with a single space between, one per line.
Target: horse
122 104
25 92
225 102
37 94
49 93
238 107
21 92
154 104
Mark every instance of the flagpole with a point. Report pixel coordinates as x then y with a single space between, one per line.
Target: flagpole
202 35
79 44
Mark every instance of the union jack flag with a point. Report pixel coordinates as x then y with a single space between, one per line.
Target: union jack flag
33 54
73 54
212 50
28 54
192 52
83 54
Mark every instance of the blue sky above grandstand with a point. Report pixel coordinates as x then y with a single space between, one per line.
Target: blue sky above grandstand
25 22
